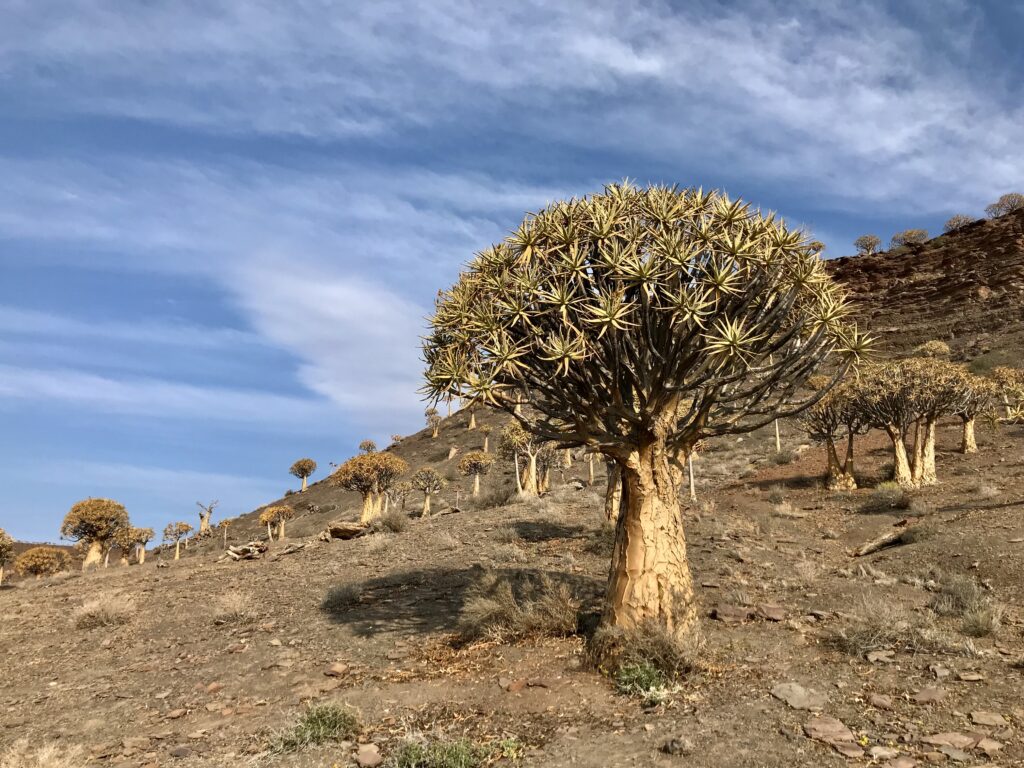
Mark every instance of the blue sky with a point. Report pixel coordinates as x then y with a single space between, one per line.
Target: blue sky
221 223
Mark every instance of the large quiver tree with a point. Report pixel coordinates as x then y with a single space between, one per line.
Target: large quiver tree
637 322
94 522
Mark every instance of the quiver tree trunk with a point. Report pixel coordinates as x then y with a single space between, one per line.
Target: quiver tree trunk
93 555
476 486
270 533
204 522
567 458
530 481
305 482
124 559
901 473
426 505
1 574
927 473
839 474
280 530
433 429
472 420
177 549
613 492
689 472
590 468
968 444
519 479
650 577
140 555
369 509
487 442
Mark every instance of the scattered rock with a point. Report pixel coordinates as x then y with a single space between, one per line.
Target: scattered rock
680 745
369 756
770 612
215 688
956 755
731 614
970 677
833 732
989 746
993 719
181 751
174 714
880 701
928 695
798 697
337 669
515 686
950 739
883 753
881 657
901 762
938 671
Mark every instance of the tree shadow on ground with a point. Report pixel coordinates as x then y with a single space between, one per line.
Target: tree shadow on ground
546 530
429 600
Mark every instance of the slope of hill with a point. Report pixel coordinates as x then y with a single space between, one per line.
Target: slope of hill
965 288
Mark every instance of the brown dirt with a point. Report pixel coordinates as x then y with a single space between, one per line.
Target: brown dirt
150 679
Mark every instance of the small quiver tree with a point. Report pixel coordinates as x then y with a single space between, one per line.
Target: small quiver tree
957 221
909 237
224 525
834 417
397 439
41 561
399 493
1008 203
303 469
546 459
518 445
428 481
6 551
276 516
867 244
637 322
367 446
176 532
485 432
977 397
1010 382
205 514
433 420
131 541
474 464
94 522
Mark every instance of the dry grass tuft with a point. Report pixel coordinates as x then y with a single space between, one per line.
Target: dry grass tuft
883 626
983 621
234 608
648 646
341 599
777 494
104 611
394 521
958 596
21 754
887 497
504 608
320 724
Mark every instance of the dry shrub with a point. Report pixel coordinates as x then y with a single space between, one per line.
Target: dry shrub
510 607
883 626
983 621
777 494
21 754
234 608
645 647
393 521
887 497
985 491
784 457
341 599
510 553
378 544
507 534
104 611
957 596
498 497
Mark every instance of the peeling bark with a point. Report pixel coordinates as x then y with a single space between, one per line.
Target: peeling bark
968 444
650 577
613 493
927 474
93 556
901 473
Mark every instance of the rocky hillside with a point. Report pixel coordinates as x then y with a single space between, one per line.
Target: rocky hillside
965 288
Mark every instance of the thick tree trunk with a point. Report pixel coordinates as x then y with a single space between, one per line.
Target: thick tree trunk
1 575
836 478
426 505
270 533
901 473
530 479
487 439
280 530
304 483
650 577
369 509
387 503
204 523
567 458
472 420
590 468
613 492
124 560
967 443
927 473
93 556
519 479
177 549
140 557
433 431
544 482
476 486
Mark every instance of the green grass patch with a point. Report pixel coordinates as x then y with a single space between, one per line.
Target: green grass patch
320 724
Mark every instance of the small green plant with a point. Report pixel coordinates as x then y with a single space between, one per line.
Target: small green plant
461 753
644 681
320 724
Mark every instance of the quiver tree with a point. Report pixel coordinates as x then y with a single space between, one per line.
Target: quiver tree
224 525
94 522
176 532
909 237
485 431
428 481
957 221
131 541
276 516
399 493
367 446
474 464
205 513
835 417
517 444
433 420
867 244
546 459
303 469
6 551
636 322
978 395
1010 382
472 419
940 392
1008 203
396 439
40 561
370 475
